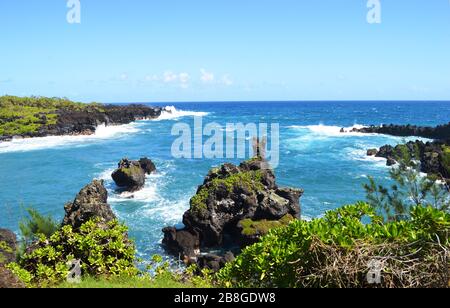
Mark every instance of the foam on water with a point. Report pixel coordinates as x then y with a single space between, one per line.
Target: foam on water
102 132
329 130
172 113
169 211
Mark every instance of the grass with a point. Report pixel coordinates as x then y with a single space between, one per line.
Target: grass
127 282
262 227
26 115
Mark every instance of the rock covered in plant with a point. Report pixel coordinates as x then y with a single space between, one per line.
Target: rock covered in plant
229 195
130 174
434 156
91 202
8 246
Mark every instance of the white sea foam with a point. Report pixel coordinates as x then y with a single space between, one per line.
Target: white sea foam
148 193
172 113
102 132
329 130
167 210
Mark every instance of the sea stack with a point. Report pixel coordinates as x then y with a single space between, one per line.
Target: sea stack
233 208
130 174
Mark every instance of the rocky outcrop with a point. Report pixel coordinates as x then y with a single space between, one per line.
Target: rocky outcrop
8 246
441 132
130 174
181 242
214 262
91 202
229 195
8 280
434 157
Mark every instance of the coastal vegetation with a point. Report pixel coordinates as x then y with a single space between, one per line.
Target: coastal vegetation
22 115
336 251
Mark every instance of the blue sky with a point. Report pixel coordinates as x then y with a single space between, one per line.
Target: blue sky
217 50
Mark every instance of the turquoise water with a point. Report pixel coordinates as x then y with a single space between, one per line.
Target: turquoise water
331 167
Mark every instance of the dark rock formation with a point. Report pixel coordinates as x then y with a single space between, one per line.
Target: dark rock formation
441 132
130 174
214 262
181 242
372 152
8 280
85 122
91 202
434 156
229 195
147 165
8 246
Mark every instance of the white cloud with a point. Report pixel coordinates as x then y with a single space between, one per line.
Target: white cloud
124 76
170 77
184 80
206 77
226 80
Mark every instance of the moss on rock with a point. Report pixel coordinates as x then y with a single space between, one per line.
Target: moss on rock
262 227
251 180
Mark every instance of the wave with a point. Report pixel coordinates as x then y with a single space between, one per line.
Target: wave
172 113
329 130
102 132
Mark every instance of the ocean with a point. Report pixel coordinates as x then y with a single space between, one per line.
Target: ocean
330 166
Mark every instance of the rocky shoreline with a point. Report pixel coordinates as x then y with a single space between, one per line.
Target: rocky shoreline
84 121
434 156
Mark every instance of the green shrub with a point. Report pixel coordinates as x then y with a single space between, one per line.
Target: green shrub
35 225
300 254
102 250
